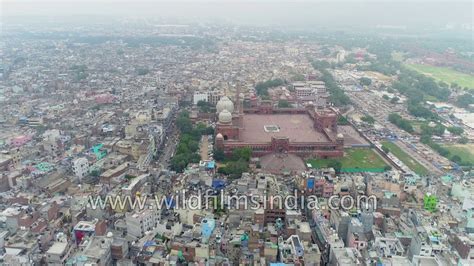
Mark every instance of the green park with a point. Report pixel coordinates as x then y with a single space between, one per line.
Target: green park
463 151
445 74
355 158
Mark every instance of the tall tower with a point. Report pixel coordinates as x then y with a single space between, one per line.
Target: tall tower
237 98
240 107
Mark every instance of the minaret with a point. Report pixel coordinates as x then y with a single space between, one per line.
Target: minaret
237 98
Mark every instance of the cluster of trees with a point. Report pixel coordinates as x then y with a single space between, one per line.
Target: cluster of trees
417 86
464 100
400 122
188 146
456 130
368 119
320 64
382 65
342 120
237 164
205 107
298 77
283 104
337 95
262 87
186 152
426 139
413 85
365 81
437 130
185 126
418 110
443 151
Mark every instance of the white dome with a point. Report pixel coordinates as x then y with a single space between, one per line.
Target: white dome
225 117
225 104
340 136
219 136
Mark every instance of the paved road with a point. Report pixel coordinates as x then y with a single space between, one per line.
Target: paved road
204 147
169 147
380 109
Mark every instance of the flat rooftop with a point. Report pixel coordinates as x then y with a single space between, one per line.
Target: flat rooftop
57 248
297 127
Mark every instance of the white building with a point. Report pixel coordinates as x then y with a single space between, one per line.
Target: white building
80 167
58 253
200 96
98 251
209 96
341 56
140 222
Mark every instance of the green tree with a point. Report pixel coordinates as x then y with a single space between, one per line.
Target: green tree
464 100
385 149
368 119
298 77
262 87
234 169
365 81
219 154
184 124
193 145
217 206
456 130
463 140
342 120
179 162
244 153
336 165
418 110
404 124
394 100
95 172
336 95
456 159
205 107
283 104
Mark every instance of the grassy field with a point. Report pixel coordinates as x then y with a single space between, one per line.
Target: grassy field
465 151
445 74
405 158
353 158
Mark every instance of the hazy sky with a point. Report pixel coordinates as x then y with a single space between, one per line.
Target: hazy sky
415 13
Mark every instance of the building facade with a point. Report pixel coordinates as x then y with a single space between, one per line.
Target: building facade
80 167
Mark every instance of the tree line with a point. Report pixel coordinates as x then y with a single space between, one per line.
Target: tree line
188 146
336 94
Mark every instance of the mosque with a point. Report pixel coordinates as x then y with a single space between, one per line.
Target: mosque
266 129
